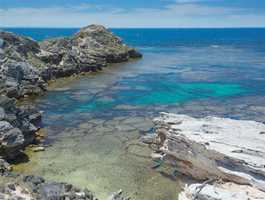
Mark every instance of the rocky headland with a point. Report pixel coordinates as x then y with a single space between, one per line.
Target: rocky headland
225 158
26 67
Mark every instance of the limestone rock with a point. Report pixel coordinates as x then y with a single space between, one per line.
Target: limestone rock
17 127
26 65
213 148
92 48
34 187
217 191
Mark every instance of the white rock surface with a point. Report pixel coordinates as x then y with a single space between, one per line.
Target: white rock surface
226 191
214 148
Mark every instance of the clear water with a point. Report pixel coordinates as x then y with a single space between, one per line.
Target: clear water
94 122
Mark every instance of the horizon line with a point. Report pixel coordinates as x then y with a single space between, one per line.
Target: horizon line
68 27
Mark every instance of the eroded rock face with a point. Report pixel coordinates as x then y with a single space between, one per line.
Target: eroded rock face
19 64
26 65
31 187
17 127
92 48
213 148
34 187
25 68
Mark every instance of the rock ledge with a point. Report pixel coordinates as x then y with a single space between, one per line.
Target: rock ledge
216 150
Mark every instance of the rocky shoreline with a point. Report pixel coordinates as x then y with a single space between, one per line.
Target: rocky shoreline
26 66
225 157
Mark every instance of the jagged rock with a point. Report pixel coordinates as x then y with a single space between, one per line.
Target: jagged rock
92 48
22 45
25 68
17 127
213 148
11 140
34 187
21 78
26 65
18 66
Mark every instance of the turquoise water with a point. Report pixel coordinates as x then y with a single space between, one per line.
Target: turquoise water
94 122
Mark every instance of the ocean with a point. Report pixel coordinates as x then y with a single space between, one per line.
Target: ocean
94 122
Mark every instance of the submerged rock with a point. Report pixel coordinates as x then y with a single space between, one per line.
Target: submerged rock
213 148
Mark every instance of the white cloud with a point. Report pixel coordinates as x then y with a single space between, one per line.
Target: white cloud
174 15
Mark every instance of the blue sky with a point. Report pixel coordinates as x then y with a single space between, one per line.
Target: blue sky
133 13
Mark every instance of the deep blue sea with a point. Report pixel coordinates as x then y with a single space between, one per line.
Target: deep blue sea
92 120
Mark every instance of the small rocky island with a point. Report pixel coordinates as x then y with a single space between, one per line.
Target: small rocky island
26 67
224 157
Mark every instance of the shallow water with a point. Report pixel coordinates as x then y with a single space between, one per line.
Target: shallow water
94 122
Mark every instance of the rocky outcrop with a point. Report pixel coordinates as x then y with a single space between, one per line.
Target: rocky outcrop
37 188
213 149
25 68
19 75
17 127
90 49
34 187
221 191
26 65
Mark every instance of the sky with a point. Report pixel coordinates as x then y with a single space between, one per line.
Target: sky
133 13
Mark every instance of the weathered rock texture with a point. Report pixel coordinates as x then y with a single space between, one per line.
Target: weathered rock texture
17 127
36 188
25 68
26 65
213 148
33 187
221 191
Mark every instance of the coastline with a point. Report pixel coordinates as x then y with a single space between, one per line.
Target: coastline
222 155
26 69
193 188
